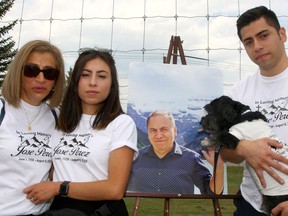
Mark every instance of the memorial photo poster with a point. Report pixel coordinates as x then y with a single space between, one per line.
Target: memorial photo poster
182 90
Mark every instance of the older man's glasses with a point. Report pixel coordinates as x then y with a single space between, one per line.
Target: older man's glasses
33 71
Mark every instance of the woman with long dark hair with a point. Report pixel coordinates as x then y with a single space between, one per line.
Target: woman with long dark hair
96 143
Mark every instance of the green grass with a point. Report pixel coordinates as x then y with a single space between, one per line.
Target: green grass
187 207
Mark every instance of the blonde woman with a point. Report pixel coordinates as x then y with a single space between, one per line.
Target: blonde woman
32 87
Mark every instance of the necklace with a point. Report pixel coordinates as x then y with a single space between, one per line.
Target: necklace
31 121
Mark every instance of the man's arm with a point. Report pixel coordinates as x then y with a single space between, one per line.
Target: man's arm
259 156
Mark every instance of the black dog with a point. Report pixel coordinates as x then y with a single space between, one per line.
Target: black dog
228 121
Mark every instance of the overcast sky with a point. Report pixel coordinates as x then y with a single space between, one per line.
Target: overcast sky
139 30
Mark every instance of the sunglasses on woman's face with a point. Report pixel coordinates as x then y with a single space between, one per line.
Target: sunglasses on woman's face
33 71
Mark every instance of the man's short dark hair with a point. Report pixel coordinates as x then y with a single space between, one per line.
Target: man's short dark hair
255 14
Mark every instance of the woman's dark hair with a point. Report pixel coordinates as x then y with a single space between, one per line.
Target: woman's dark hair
255 14
71 109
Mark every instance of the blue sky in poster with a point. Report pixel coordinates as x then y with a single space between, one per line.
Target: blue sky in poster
173 87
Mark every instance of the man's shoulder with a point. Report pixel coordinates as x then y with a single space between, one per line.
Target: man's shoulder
244 86
250 78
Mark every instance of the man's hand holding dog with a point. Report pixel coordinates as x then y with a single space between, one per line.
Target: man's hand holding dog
280 209
260 157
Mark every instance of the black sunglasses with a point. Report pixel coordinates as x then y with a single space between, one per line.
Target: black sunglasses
33 71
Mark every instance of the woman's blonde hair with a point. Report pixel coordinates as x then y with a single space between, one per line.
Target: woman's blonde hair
12 84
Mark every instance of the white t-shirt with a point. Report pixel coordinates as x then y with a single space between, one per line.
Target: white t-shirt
268 95
83 154
255 130
25 156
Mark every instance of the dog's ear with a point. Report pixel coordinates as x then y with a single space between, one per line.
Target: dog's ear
213 106
227 114
239 107
231 111
224 111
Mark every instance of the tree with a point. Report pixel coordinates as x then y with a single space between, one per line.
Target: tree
68 76
7 51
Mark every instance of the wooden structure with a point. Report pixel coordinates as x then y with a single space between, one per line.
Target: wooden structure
174 47
167 197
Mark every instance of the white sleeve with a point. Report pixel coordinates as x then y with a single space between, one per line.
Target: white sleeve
124 133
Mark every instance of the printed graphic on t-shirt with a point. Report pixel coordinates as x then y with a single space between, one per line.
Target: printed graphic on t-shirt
73 147
33 147
274 110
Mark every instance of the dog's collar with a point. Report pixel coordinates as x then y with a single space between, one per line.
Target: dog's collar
246 111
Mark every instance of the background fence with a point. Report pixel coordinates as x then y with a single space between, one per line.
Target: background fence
140 30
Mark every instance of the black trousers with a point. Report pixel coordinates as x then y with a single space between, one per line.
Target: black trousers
243 208
117 207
